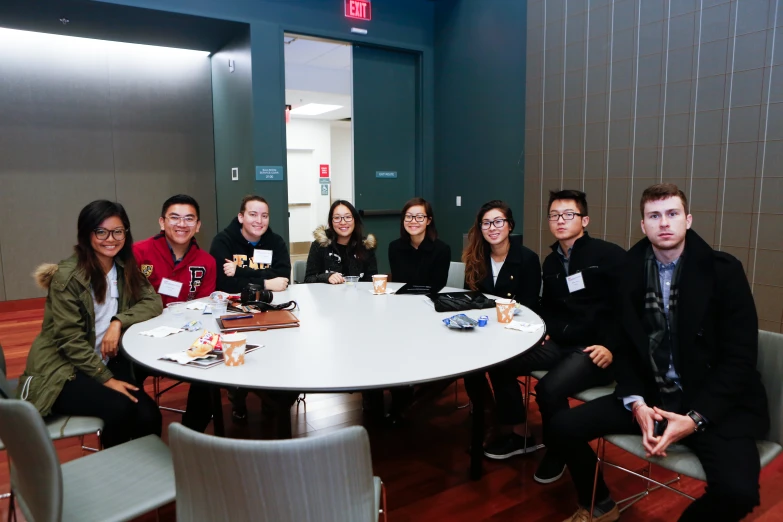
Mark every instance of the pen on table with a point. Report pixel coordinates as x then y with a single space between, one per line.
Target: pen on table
232 317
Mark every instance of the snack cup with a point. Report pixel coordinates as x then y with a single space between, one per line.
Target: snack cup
234 346
505 310
176 308
379 283
351 280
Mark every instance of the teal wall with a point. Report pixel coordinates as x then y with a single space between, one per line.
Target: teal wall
480 49
404 24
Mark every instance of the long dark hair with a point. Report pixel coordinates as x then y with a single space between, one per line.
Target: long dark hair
474 255
432 231
91 218
356 242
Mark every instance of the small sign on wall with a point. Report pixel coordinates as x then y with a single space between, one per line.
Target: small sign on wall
325 181
324 190
359 9
386 174
269 173
323 171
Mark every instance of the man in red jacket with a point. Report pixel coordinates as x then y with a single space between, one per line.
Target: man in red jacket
179 271
172 260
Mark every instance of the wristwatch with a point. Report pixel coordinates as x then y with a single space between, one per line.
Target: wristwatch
701 424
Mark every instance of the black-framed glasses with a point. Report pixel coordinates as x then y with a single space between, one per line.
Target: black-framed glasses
568 215
497 222
337 219
419 218
188 221
117 233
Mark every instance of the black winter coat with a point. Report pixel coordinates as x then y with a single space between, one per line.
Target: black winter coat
519 277
427 265
324 259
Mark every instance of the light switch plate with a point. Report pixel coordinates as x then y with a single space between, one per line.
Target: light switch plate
459 201
234 174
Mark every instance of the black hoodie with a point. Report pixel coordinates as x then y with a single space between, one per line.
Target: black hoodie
231 244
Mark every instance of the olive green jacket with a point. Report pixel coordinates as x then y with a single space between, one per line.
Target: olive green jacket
67 339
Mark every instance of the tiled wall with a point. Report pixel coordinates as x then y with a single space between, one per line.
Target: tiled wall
622 94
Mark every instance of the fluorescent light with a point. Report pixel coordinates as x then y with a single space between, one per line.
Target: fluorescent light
314 109
12 39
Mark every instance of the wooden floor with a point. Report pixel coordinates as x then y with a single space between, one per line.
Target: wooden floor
423 462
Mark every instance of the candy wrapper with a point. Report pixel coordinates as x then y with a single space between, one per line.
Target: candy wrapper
192 326
460 322
208 342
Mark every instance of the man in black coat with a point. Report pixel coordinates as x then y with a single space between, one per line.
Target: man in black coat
685 364
576 307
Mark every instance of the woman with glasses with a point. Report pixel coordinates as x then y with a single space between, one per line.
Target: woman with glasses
498 264
341 249
418 257
74 366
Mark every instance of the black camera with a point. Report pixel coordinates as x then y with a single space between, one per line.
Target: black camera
254 294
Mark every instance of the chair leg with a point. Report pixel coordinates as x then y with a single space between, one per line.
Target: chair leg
527 407
457 406
156 389
599 454
11 508
383 502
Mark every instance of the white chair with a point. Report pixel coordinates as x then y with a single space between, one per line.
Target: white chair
684 462
313 479
116 484
300 268
456 277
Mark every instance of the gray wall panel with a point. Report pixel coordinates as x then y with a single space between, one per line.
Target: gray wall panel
55 142
162 128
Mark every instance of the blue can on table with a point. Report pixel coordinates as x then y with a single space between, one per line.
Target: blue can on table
483 320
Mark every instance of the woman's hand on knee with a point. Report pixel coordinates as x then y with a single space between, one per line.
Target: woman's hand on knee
122 387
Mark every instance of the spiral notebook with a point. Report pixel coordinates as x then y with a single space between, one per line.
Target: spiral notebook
258 321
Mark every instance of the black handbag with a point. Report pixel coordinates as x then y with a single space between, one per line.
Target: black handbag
458 301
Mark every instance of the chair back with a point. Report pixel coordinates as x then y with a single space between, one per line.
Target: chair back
321 478
300 268
770 365
456 277
5 388
36 476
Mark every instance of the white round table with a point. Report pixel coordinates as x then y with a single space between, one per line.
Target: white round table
348 340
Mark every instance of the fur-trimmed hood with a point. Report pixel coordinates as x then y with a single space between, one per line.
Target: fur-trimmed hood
44 274
323 240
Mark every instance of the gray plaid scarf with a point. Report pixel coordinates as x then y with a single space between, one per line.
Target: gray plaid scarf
662 339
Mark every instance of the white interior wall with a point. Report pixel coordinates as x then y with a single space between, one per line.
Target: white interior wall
342 161
309 145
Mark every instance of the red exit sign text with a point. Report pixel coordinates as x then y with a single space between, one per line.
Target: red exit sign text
358 9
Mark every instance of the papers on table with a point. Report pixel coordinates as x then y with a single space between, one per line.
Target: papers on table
388 291
524 327
162 331
196 305
184 358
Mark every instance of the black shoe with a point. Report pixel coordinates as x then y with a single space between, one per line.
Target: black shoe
550 469
239 414
510 445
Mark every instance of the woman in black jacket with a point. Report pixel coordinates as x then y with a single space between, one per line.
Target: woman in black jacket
418 257
497 264
341 249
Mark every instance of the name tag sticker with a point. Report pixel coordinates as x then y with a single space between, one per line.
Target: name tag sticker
262 257
575 282
169 287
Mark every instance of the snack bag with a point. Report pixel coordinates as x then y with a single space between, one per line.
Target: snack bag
208 342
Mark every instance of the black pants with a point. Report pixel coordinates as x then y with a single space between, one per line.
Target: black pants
731 465
123 419
198 412
276 406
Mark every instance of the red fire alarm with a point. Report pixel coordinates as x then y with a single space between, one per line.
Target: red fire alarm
359 9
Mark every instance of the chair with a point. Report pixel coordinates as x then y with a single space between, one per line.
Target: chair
300 267
680 459
456 277
311 479
120 483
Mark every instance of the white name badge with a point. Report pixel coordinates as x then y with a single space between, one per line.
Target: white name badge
169 287
575 282
262 257
114 291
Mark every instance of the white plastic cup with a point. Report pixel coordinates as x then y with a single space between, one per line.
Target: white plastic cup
176 308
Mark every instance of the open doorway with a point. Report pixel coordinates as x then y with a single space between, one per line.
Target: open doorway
319 133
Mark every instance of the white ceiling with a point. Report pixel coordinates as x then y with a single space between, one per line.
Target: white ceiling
318 71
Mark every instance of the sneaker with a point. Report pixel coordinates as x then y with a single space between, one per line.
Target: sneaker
510 445
582 515
549 470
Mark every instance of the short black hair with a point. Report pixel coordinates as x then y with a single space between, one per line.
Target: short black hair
180 199
574 195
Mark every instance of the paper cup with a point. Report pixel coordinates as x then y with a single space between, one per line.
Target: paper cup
505 309
379 283
234 346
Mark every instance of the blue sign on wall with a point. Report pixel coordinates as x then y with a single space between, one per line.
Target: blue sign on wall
386 174
269 173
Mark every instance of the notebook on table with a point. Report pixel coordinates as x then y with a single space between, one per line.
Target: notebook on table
259 321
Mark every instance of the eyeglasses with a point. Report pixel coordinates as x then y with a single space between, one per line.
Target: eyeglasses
337 219
188 221
499 223
117 233
568 215
419 218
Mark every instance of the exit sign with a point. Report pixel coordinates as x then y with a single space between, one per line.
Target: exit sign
359 9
